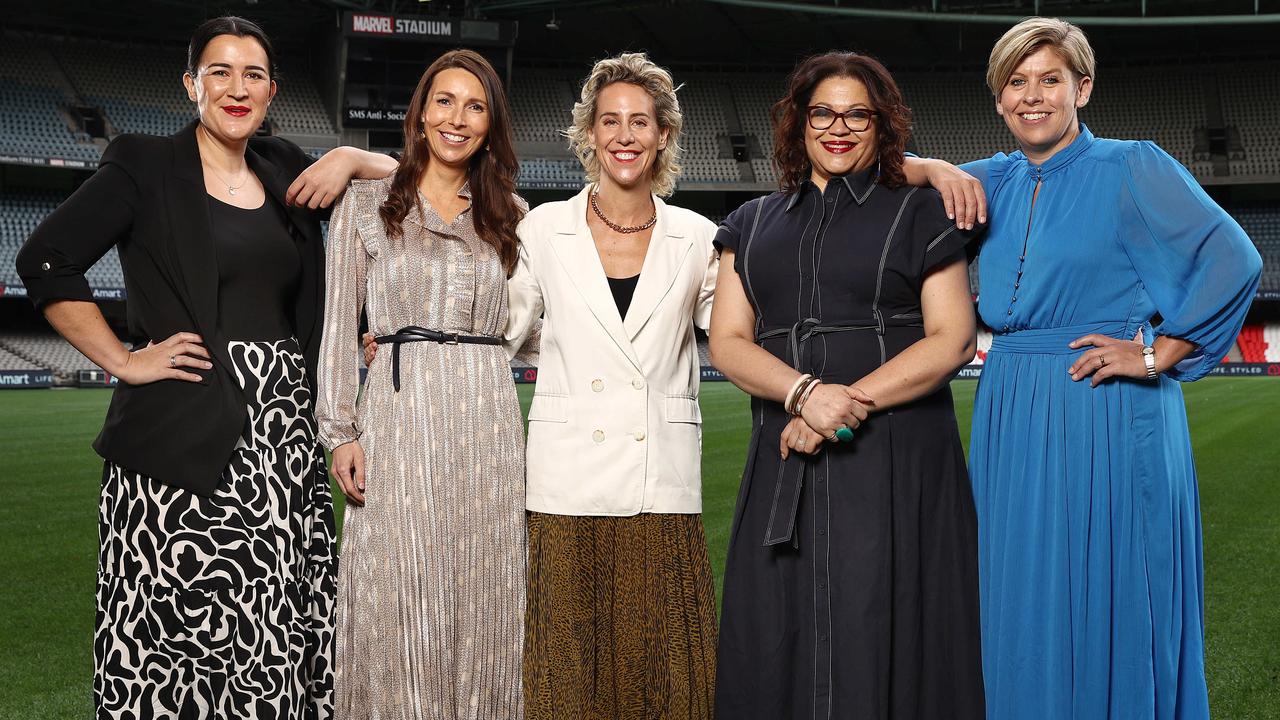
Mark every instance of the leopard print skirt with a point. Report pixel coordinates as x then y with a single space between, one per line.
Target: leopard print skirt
620 621
222 606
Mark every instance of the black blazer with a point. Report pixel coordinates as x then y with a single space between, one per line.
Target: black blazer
148 198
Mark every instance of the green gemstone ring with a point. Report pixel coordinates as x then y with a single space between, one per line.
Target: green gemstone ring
844 434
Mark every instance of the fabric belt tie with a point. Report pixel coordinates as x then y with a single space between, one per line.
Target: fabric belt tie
786 492
1056 341
413 333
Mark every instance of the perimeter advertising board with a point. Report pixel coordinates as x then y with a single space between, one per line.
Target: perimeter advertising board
18 379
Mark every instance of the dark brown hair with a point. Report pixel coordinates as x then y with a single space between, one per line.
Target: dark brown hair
227 25
790 116
492 176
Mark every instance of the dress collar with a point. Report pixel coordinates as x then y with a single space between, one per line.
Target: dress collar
859 184
426 216
1063 157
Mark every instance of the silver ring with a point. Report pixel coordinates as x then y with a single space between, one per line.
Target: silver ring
173 361
800 444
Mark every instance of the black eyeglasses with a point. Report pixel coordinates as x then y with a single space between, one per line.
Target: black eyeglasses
857 119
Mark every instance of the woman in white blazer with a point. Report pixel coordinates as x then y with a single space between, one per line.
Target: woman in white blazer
621 614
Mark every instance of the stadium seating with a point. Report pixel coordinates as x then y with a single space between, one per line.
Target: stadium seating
1271 340
705 131
752 101
19 215
541 172
542 104
46 351
9 361
1263 225
137 88
33 122
1248 99
140 90
1253 346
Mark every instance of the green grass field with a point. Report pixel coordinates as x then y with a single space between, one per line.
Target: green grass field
48 536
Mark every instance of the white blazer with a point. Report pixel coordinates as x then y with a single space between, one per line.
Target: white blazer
615 427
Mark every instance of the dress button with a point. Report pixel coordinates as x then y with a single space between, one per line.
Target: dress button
822 586
597 385
638 383
1010 312
45 266
1015 299
821 480
598 436
822 532
639 435
1022 258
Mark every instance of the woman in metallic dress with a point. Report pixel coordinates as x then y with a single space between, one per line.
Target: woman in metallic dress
431 458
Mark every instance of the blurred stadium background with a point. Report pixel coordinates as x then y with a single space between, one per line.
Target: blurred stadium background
1200 77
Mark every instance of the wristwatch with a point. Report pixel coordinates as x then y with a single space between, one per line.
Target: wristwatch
1149 358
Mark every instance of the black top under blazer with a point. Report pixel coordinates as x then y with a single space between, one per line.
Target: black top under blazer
148 198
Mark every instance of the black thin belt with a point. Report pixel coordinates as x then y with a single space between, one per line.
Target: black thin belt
413 333
786 494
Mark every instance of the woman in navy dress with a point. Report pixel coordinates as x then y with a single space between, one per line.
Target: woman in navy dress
1088 512
851 584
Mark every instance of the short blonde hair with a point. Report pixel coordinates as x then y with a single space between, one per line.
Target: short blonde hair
1029 36
634 69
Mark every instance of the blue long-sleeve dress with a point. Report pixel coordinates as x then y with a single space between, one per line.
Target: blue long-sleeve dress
1090 557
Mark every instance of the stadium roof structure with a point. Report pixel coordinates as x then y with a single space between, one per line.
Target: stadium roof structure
730 34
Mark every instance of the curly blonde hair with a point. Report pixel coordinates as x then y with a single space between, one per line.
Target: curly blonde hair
634 69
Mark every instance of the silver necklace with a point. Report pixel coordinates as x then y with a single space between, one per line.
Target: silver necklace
230 188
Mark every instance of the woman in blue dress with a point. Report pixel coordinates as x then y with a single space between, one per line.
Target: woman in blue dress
1090 559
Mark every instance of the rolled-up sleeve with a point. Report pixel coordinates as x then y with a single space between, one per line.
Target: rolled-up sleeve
53 261
1196 262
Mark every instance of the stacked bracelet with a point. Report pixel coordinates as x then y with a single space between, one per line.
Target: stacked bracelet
799 393
794 393
804 396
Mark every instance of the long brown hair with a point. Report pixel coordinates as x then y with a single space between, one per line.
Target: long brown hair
492 176
790 116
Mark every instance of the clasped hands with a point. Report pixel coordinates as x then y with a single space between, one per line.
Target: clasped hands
828 407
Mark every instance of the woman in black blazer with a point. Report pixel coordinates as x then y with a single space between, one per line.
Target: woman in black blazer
216 570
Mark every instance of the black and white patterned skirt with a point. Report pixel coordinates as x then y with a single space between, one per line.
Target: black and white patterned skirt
222 607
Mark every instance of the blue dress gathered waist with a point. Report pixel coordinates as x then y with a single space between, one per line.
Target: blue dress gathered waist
1089 536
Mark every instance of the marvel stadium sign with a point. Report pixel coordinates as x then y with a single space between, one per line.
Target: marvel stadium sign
428 28
367 24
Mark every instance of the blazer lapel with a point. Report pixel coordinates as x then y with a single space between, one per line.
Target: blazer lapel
668 250
576 251
191 234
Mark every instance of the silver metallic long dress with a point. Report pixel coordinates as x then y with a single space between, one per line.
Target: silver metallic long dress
431 579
